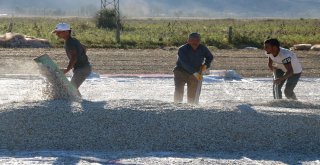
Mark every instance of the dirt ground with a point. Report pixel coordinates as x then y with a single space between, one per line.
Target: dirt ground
248 63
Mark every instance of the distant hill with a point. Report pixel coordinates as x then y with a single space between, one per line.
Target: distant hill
228 8
175 8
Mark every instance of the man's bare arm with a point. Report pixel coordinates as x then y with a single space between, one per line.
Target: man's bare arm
288 74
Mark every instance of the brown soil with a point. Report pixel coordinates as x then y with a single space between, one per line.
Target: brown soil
248 63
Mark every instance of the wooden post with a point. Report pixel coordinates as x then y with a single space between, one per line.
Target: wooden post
118 32
10 27
117 9
230 34
9 30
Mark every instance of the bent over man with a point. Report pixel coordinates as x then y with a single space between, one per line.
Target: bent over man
191 57
76 52
285 66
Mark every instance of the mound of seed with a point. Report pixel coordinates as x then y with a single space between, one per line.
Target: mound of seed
119 125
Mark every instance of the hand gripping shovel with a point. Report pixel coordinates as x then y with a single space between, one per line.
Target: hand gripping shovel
199 86
276 94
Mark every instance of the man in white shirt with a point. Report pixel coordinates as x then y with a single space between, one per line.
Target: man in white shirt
285 66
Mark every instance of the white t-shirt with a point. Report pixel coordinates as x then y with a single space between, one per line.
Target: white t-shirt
286 56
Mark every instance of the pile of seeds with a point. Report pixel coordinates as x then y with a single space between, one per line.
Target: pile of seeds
119 125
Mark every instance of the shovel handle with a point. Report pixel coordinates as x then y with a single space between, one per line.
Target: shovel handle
201 68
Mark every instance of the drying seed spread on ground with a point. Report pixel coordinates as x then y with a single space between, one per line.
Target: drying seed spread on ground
237 121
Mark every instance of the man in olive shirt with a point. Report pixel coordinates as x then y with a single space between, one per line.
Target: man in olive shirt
191 57
76 52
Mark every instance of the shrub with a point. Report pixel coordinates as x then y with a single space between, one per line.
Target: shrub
106 18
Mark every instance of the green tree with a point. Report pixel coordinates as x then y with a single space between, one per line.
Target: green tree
106 18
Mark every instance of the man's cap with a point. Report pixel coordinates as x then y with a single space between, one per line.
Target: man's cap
194 35
62 27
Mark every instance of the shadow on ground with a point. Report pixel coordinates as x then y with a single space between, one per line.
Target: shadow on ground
154 126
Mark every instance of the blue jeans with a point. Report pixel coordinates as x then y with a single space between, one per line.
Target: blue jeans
290 85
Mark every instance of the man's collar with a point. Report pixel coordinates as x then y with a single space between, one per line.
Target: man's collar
277 53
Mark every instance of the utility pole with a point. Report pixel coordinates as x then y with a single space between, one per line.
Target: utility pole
113 4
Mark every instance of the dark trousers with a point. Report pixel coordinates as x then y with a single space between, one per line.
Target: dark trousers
80 75
290 85
181 78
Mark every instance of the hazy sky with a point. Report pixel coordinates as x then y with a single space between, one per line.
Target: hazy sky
178 8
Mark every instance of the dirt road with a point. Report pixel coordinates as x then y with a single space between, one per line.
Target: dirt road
248 63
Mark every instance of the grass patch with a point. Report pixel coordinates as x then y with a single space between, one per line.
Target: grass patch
151 33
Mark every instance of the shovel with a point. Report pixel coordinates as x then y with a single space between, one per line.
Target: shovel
199 86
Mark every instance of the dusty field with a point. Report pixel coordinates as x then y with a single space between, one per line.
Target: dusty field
249 63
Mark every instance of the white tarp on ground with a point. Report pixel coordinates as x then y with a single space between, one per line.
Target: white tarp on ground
236 122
